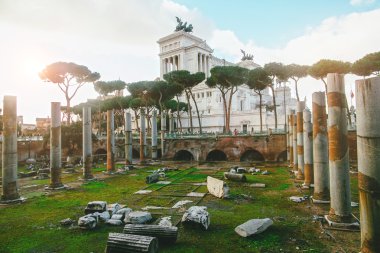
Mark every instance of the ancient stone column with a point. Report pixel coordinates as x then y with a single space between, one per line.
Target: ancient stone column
163 129
128 138
300 108
55 146
368 143
142 136
320 150
291 123
295 156
110 142
340 196
154 135
9 150
308 148
87 143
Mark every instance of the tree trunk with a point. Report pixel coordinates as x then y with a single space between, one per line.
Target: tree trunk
196 108
261 116
68 110
274 106
189 111
229 107
226 125
296 86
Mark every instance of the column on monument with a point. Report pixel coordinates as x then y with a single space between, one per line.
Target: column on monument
55 146
166 65
176 62
128 138
295 157
308 148
9 150
110 137
320 150
203 63
340 195
142 136
300 158
154 135
87 143
163 129
368 141
207 66
199 62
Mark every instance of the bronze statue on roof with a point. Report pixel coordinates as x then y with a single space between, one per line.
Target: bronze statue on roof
246 56
183 26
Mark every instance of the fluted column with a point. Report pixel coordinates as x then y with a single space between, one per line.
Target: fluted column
291 123
110 142
87 143
320 150
368 141
308 148
128 138
340 194
55 146
300 158
154 135
9 150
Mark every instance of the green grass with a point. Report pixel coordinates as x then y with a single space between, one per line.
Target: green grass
34 225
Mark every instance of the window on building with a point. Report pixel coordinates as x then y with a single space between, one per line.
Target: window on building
198 95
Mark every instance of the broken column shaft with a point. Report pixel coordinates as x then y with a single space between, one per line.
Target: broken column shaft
128 138
320 149
300 108
171 123
87 143
154 135
308 148
55 146
340 195
142 136
9 153
368 141
110 141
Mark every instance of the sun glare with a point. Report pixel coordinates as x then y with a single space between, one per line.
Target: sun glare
32 67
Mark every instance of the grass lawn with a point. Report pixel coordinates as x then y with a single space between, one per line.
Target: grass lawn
34 225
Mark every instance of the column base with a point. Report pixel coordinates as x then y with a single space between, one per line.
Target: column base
347 224
56 187
12 201
319 201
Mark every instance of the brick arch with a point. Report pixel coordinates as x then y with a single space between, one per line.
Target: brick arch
216 155
252 155
183 155
282 156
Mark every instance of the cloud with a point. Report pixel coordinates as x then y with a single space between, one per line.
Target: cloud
361 2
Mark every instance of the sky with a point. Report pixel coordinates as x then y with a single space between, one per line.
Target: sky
118 38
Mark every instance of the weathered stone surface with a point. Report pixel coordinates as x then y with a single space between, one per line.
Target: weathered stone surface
252 227
197 214
113 208
104 216
88 221
124 211
165 221
163 182
241 170
217 187
117 217
138 217
152 178
95 206
235 177
114 222
257 185
164 234
66 222
143 192
297 199
181 203
131 243
195 194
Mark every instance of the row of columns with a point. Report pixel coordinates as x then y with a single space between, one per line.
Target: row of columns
203 63
171 63
322 157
